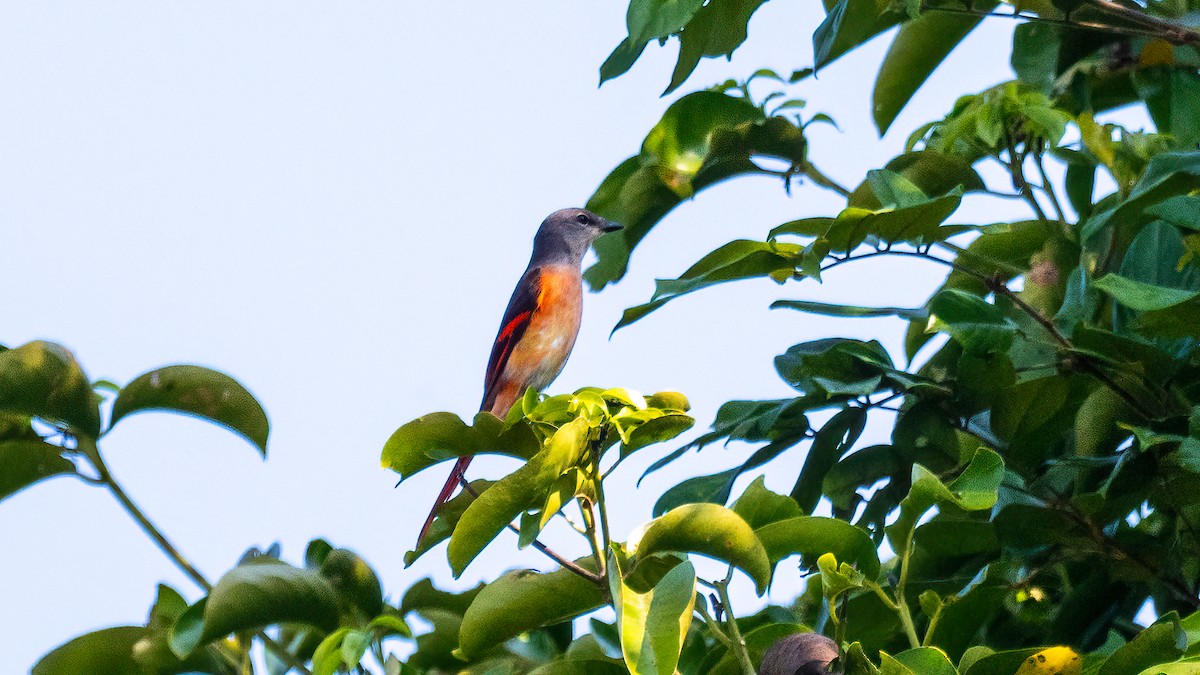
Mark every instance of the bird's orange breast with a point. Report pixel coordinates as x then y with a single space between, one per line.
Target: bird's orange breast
542 351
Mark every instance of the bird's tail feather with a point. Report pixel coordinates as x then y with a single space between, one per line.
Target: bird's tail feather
456 476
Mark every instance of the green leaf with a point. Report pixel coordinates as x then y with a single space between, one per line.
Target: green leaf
849 24
1170 94
836 367
423 596
737 260
23 463
651 19
1164 641
915 222
653 624
759 506
851 311
356 584
702 139
716 30
975 489
447 518
710 530
814 536
104 652
980 327
932 172
492 511
919 661
43 379
1142 296
1001 663
440 436
254 595
834 439
193 390
327 659
717 487
918 49
1168 174
1182 211
523 600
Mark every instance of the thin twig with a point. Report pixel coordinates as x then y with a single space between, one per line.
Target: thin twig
550 553
1048 187
1171 32
1179 35
165 545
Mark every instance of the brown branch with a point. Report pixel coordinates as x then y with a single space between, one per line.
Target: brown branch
1153 27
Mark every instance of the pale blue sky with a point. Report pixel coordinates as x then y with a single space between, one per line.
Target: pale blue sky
331 202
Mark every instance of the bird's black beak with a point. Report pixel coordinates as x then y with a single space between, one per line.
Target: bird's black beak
610 226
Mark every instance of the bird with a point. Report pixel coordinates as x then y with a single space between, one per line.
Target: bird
540 324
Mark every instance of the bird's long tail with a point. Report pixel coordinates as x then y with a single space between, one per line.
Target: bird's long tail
456 477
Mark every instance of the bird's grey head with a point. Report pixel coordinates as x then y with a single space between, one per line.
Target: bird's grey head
565 235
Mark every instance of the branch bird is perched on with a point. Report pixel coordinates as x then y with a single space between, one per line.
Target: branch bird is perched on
540 324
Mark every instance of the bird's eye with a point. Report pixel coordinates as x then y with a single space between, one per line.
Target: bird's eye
582 219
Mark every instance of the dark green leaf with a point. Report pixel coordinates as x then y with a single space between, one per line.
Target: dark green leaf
849 24
523 600
932 172
702 139
711 530
1170 94
716 30
1168 174
813 536
838 367
740 259
975 489
43 379
849 310
198 391
1160 643
651 19
715 488
833 440
23 463
255 595
423 596
978 326
356 584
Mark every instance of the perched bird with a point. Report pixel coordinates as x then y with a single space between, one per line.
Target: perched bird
540 325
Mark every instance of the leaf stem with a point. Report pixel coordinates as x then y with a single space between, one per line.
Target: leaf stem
1048 188
89 448
737 642
713 625
156 535
901 603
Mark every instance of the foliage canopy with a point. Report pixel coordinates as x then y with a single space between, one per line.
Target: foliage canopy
1042 479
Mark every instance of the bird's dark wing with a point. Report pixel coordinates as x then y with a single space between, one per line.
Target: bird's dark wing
517 317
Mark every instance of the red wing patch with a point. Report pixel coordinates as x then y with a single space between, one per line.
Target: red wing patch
517 318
